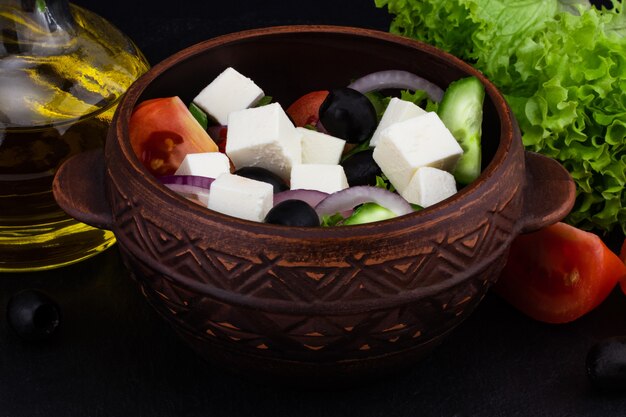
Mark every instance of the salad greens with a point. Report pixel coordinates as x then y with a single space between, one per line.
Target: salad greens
561 66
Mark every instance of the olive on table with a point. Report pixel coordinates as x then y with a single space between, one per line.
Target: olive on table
361 169
33 315
606 364
264 175
348 114
293 213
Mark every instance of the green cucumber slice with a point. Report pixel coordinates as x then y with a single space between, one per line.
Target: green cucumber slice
368 213
461 111
199 115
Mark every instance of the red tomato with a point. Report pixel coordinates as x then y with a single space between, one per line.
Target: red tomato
622 256
221 140
559 273
162 131
305 110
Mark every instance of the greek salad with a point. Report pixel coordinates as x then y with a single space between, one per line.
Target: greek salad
340 157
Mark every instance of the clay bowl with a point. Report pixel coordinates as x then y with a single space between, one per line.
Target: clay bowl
304 303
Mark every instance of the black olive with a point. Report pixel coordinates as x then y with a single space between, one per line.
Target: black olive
33 315
361 169
606 364
349 115
293 213
262 174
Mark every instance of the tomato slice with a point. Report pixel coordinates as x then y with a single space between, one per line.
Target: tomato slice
559 273
162 131
305 110
622 256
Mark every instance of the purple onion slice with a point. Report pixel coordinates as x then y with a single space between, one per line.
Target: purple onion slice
349 198
187 184
311 197
382 80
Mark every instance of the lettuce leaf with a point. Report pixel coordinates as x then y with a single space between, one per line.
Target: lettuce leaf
485 31
562 67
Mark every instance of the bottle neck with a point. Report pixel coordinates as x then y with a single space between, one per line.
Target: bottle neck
35 26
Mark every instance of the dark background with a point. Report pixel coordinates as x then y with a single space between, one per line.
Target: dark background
161 28
113 356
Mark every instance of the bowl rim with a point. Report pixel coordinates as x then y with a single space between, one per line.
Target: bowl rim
372 230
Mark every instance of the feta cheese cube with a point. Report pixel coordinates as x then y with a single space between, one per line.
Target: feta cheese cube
241 197
421 141
228 92
264 137
321 177
429 186
205 164
320 148
397 111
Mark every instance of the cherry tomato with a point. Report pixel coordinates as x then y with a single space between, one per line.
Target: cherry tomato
559 273
305 110
622 256
162 131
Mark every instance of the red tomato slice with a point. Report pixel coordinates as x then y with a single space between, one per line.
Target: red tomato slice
162 131
622 256
305 110
559 273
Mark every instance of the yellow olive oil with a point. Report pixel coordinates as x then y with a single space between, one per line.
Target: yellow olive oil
61 77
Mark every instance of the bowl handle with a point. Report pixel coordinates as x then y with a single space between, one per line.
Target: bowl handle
78 188
549 193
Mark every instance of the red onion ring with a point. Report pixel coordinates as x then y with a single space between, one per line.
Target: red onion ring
311 197
382 80
187 184
349 198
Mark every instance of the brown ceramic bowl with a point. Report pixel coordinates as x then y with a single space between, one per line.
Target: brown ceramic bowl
321 302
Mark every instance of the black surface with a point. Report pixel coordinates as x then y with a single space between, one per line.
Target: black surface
113 356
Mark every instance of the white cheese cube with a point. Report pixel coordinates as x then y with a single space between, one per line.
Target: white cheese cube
241 197
320 148
429 186
204 164
264 137
421 141
228 92
321 177
397 111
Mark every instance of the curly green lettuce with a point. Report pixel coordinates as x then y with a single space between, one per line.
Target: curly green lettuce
562 67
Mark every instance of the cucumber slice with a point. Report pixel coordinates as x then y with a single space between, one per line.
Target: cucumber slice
461 111
367 213
199 115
